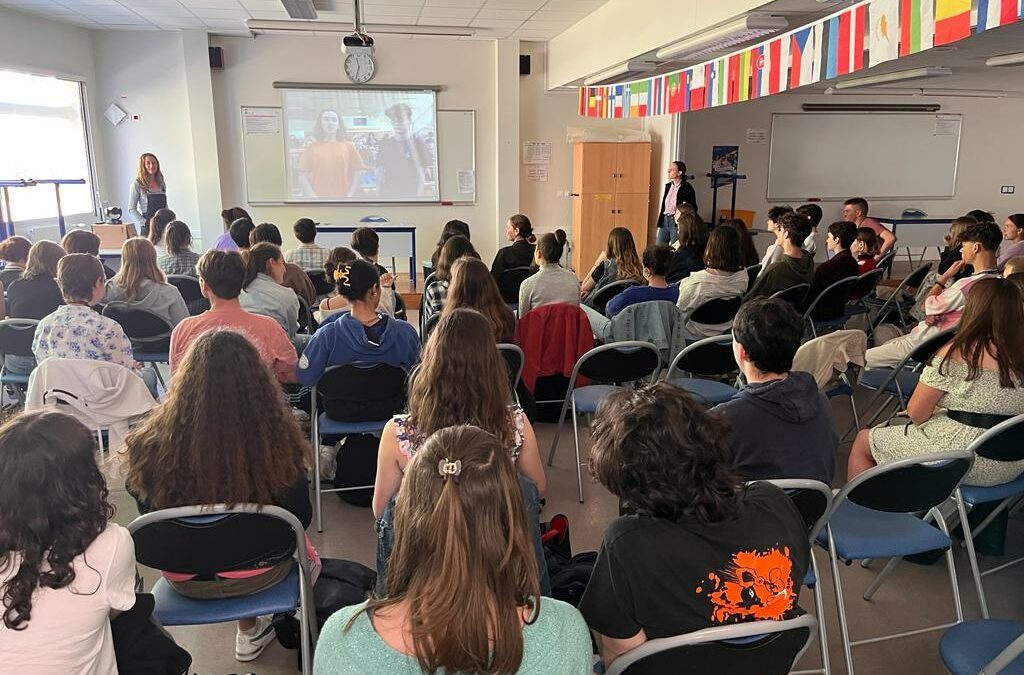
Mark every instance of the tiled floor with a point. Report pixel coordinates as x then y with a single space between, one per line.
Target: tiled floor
913 596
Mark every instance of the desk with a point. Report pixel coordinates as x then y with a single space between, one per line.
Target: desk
396 241
925 232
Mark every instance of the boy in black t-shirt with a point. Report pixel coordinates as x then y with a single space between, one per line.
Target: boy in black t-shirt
703 549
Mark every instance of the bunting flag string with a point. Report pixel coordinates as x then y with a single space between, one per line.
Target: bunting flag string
862 36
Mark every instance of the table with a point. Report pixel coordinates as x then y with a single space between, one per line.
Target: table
396 241
926 231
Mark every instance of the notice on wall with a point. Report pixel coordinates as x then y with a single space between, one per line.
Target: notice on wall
757 136
537 174
947 125
467 181
537 152
261 121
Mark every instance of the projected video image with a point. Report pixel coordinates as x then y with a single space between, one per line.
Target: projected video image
356 145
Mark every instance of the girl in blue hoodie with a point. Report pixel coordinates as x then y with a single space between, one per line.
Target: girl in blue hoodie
362 335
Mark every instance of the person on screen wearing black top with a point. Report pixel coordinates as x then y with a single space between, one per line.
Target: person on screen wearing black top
702 549
519 231
677 191
404 161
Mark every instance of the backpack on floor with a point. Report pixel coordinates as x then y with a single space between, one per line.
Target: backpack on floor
342 583
569 573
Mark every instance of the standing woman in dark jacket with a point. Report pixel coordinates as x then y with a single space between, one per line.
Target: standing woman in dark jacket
519 231
678 191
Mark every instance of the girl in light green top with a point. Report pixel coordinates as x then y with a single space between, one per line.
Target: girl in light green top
463 590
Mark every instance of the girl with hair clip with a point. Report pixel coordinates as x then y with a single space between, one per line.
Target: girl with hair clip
149 181
473 288
461 349
619 261
336 303
329 165
142 285
463 590
65 570
436 293
519 231
264 292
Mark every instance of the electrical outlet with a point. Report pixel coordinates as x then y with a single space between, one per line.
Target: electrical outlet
1008 189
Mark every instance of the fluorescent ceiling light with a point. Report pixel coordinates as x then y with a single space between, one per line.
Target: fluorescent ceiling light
1005 60
299 9
904 91
723 37
285 26
633 66
897 76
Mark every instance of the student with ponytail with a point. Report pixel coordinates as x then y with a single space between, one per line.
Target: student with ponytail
464 594
264 292
552 283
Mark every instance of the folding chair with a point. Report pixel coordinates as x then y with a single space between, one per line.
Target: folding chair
895 301
794 295
1002 443
763 647
222 539
603 295
307 322
321 284
717 311
708 358
813 499
399 307
150 335
752 273
9 276
513 356
355 399
431 278
428 326
191 292
874 516
618 363
16 337
837 291
985 647
509 282
885 262
861 291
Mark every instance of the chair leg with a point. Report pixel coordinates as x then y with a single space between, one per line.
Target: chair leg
314 440
837 584
819 608
576 442
971 554
941 522
877 582
307 623
558 427
159 377
990 517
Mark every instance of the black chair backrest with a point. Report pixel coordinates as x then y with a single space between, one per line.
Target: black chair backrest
794 295
307 322
146 330
603 295
710 359
428 326
752 273
772 655
914 279
619 364
885 262
833 295
7 277
513 361
362 392
16 336
187 285
399 307
911 487
217 543
1003 442
321 284
510 280
428 269
811 504
926 350
718 310
866 283
429 279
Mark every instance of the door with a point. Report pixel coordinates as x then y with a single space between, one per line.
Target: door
594 168
633 168
631 212
592 218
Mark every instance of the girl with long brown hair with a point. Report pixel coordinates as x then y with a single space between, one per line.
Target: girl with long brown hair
141 284
435 294
619 261
223 435
693 239
472 287
464 594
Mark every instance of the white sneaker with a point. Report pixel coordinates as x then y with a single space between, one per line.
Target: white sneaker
250 644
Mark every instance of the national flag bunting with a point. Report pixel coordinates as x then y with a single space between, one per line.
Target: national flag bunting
884 43
952 21
676 94
696 82
760 67
917 26
801 46
995 13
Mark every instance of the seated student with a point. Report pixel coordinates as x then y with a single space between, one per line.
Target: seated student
748 252
780 423
178 256
773 253
65 570
366 244
308 255
223 435
472 288
295 277
14 253
226 241
157 226
1013 233
434 294
263 291
982 216
142 285
75 331
814 214
864 249
796 266
35 294
945 301
552 283
335 303
221 274
519 231
656 262
841 265
1013 266
617 262
971 384
855 210
84 241
693 238
463 592
451 228
240 232
362 335
703 550
954 243
723 276
460 349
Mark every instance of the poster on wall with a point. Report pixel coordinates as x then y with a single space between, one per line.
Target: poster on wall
725 159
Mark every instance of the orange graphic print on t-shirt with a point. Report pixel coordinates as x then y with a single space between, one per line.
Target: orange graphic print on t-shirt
756 585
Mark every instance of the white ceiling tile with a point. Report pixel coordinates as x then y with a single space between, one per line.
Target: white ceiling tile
450 12
176 21
509 14
220 14
441 21
334 16
391 10
212 4
514 4
116 10
257 14
585 6
405 3
534 24
262 5
119 20
559 16
455 3
391 19
496 23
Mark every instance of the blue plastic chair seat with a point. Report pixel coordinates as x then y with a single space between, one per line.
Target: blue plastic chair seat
840 389
328 426
973 494
174 609
14 378
809 579
838 322
862 533
152 357
874 378
588 398
709 391
967 647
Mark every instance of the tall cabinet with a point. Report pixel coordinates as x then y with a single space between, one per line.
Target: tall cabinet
611 187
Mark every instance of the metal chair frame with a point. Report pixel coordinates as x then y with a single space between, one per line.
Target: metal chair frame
837 287
139 342
784 294
916 276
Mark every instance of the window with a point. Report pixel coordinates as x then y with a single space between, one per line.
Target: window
43 136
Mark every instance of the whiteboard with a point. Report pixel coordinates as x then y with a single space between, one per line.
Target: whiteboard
874 155
263 155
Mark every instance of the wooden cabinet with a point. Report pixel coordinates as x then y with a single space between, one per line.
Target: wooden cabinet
611 188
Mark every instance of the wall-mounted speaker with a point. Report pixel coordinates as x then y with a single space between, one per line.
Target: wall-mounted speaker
216 58
524 64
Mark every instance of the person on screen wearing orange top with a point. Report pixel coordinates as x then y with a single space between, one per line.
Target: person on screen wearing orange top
328 166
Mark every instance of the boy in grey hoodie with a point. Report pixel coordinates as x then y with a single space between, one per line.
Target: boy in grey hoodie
781 425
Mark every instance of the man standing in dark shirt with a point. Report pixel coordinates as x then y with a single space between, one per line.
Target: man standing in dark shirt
404 161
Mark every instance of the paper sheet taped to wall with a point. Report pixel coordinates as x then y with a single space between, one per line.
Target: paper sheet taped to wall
261 121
